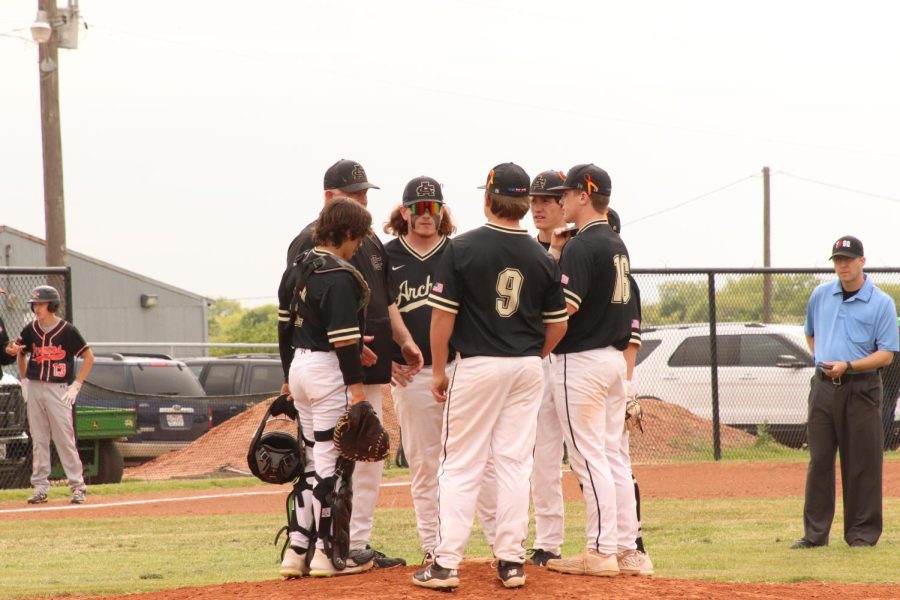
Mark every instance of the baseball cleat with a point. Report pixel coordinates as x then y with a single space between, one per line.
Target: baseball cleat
79 497
436 577
382 561
294 563
359 561
511 574
38 498
539 557
588 563
634 562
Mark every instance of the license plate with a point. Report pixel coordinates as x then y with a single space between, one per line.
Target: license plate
175 420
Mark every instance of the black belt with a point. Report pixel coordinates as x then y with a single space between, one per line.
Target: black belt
847 376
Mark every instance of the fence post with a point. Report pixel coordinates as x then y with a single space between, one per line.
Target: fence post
70 308
714 366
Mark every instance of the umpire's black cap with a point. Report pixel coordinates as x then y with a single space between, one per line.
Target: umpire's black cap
848 246
587 178
545 180
507 179
422 189
348 176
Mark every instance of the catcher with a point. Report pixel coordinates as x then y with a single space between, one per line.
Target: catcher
321 317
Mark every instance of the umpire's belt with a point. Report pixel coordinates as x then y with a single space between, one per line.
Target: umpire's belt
847 377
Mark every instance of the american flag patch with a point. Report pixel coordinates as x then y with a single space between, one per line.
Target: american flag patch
437 288
564 279
635 324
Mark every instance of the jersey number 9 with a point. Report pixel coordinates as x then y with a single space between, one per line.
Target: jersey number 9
509 286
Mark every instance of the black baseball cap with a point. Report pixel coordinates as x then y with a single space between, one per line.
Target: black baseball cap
348 176
546 180
614 221
588 178
847 246
507 179
422 189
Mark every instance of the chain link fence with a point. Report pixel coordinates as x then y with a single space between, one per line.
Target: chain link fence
724 368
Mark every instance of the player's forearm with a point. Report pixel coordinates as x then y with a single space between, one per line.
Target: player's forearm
399 332
441 329
87 358
553 333
630 358
22 364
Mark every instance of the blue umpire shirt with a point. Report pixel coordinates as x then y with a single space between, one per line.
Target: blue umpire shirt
851 329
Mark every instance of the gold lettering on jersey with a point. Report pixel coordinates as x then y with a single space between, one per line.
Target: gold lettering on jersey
410 293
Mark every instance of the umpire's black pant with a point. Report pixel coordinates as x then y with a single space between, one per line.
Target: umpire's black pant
845 418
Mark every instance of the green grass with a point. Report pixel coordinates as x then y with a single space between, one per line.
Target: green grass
744 539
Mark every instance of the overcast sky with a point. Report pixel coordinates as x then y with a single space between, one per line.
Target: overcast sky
196 134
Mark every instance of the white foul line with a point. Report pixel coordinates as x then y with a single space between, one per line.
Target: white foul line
160 500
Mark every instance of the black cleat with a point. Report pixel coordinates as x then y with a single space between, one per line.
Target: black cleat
803 544
539 557
437 577
511 574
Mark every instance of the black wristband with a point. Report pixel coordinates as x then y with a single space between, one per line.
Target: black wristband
351 366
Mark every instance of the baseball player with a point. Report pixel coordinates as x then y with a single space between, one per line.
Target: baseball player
630 354
422 225
546 476
498 300
320 343
48 376
347 178
589 374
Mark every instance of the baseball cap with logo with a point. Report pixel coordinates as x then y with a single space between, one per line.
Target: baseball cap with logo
612 217
348 176
507 179
422 189
546 180
587 178
847 246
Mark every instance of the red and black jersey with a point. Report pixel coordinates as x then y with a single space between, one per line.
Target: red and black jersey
52 351
413 274
595 268
503 289
372 262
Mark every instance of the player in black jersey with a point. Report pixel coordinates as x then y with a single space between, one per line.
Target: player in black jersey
589 374
498 300
630 353
423 225
546 476
51 388
322 302
384 326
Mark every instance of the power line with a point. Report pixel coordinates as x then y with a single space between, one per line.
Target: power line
837 187
502 101
694 199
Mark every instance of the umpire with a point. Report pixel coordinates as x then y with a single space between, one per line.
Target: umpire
851 327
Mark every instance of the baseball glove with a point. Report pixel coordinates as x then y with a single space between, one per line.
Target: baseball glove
634 415
360 436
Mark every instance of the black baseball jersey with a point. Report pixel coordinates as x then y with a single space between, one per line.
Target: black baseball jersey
333 301
5 359
502 287
52 351
372 262
595 269
413 275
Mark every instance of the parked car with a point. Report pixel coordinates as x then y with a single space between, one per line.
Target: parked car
763 372
172 408
236 382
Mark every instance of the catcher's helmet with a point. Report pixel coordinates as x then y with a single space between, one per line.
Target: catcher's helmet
45 293
276 456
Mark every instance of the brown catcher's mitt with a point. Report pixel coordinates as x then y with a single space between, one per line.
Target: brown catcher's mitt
360 436
634 415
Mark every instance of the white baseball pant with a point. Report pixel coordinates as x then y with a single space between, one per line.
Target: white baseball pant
49 417
546 476
420 417
491 409
366 483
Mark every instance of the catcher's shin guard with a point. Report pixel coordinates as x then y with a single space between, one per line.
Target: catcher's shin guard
298 507
336 496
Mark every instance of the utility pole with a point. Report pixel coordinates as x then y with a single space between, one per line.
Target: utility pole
54 204
767 249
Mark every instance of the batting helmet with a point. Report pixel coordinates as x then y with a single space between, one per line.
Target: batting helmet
276 456
45 293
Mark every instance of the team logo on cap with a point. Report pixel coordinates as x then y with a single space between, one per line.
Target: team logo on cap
842 244
358 173
539 183
425 190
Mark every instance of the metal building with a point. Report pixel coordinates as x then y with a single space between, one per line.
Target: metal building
109 304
